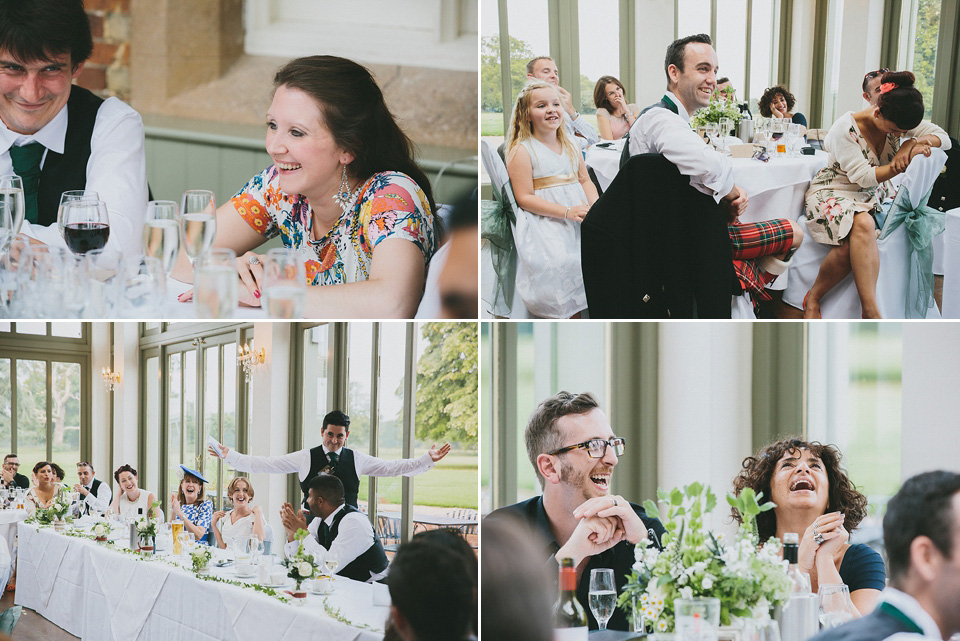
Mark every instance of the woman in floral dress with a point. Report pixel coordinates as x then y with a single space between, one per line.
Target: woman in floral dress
865 152
343 190
47 488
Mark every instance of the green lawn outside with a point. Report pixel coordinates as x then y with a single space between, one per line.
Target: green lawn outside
491 124
30 456
452 483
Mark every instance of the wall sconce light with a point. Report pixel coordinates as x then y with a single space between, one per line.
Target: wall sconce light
110 379
250 360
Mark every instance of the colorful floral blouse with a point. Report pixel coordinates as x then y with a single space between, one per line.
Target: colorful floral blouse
390 205
848 184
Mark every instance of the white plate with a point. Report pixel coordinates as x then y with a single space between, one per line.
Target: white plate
246 576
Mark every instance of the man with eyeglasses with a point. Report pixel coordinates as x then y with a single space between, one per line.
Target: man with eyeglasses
871 85
9 476
95 495
574 452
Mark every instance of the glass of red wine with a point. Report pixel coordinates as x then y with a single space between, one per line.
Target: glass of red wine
86 225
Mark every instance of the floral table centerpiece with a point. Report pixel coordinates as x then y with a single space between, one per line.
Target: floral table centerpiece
300 566
147 530
200 558
101 530
749 580
722 105
57 514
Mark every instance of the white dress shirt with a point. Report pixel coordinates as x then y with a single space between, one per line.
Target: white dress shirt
116 170
99 502
912 608
354 537
299 462
664 132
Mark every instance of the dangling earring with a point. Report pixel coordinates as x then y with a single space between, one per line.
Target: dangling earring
342 197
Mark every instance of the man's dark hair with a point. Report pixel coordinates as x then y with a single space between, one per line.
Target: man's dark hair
464 212
39 30
428 570
720 81
328 487
85 464
9 456
922 507
336 417
678 49
542 435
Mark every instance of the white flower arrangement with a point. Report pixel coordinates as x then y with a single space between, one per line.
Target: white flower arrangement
722 105
748 579
200 556
58 510
300 566
101 529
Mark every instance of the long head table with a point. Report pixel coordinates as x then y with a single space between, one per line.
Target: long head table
98 593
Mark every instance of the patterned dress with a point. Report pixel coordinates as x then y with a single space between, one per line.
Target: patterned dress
200 515
389 205
848 184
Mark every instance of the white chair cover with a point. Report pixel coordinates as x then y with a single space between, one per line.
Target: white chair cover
6 563
843 301
430 306
951 265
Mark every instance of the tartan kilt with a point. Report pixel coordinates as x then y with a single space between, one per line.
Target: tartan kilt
755 240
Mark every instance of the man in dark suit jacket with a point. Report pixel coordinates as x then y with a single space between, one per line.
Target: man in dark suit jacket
10 477
574 451
921 532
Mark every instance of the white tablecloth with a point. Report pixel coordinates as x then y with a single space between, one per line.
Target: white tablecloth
175 309
775 188
8 530
100 594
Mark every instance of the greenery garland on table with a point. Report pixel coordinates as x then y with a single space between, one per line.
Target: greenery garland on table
280 596
334 613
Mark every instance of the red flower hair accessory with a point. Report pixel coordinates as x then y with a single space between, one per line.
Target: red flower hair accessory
887 86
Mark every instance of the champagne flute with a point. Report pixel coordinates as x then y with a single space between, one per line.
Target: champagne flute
835 605
73 194
603 595
86 225
198 222
161 232
284 283
11 192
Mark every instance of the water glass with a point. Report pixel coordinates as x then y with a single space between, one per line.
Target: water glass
284 283
713 132
71 195
11 193
254 547
835 605
186 543
198 222
215 284
144 292
603 595
331 562
161 232
107 273
697 619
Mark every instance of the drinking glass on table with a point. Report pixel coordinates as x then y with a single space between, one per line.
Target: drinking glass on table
215 283
143 293
161 232
331 562
106 271
68 196
198 222
726 124
11 193
713 131
284 283
603 595
835 605
186 543
86 225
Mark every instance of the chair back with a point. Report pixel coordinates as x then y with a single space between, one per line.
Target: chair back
430 306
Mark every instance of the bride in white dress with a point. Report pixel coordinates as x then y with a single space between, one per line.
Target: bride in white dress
243 520
554 191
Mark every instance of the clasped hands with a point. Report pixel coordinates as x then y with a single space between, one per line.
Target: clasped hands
908 152
603 522
292 520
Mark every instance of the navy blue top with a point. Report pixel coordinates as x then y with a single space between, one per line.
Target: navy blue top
800 119
862 568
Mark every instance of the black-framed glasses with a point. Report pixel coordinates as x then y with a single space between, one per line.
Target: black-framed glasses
870 75
595 447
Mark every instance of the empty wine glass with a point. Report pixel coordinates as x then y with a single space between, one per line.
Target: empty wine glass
73 194
161 232
713 132
86 225
284 283
198 222
11 192
603 595
215 283
254 548
331 562
835 605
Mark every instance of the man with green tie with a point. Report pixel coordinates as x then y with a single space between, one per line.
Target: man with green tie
59 137
332 457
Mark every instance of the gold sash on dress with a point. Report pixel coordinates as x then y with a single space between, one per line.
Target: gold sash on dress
554 181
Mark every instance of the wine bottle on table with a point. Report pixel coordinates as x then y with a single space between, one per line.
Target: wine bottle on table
798 617
570 619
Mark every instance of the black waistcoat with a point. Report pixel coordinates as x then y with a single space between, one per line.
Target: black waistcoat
68 171
94 488
346 471
372 561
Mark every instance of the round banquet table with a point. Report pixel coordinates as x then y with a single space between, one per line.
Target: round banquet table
775 188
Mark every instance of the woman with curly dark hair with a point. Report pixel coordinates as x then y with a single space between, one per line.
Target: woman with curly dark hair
815 498
778 102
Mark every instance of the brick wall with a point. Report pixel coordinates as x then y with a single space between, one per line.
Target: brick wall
107 72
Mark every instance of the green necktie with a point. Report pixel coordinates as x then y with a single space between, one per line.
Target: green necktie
26 164
333 458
